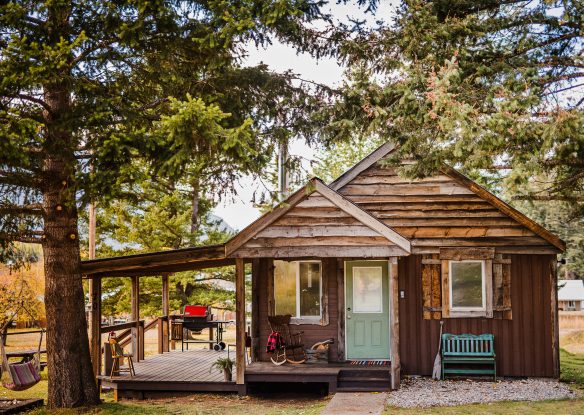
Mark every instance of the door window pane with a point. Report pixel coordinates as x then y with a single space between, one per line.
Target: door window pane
367 290
285 287
466 278
309 289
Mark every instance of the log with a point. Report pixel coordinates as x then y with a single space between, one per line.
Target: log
321 252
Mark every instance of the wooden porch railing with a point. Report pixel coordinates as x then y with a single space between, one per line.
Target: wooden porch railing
133 332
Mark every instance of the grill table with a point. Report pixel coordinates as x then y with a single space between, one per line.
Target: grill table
197 325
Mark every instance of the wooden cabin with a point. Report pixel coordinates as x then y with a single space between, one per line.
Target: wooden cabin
375 261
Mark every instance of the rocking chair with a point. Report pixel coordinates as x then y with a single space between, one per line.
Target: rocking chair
293 349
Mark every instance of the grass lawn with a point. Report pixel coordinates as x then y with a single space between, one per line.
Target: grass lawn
572 368
207 404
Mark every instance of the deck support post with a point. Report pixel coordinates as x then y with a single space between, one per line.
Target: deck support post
394 322
240 322
165 312
95 323
135 316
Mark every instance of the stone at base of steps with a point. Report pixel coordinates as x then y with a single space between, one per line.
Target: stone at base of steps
356 403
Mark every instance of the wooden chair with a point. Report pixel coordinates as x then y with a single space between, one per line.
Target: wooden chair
293 350
118 356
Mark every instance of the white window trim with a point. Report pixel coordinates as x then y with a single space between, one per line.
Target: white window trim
297 318
483 281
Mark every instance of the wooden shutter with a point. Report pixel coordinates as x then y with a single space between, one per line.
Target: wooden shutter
502 287
459 254
431 287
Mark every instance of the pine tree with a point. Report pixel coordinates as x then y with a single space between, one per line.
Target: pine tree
84 91
484 85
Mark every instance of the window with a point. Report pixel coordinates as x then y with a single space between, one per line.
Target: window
572 305
467 286
298 288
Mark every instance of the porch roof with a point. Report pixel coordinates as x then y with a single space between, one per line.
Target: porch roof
157 263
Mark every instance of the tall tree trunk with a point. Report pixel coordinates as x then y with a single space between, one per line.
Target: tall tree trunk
71 379
195 206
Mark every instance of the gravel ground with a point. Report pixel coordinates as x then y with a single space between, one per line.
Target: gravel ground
425 392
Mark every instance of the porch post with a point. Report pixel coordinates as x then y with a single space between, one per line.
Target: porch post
255 310
95 323
165 312
394 321
135 316
240 320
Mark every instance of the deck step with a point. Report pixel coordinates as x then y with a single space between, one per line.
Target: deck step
366 380
368 388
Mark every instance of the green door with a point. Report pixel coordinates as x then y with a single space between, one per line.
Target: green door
367 309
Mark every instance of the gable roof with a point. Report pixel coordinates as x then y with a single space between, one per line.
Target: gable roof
464 181
316 185
570 290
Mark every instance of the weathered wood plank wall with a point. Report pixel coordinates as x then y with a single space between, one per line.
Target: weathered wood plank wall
437 212
316 227
524 345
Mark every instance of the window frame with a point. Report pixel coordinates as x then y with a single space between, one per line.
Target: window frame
483 308
298 318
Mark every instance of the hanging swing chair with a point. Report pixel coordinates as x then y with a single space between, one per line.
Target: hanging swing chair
23 375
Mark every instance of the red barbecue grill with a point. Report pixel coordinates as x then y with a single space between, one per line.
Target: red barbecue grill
197 318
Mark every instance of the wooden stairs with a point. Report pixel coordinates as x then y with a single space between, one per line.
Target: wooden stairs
364 380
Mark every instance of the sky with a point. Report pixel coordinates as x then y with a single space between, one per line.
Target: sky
238 211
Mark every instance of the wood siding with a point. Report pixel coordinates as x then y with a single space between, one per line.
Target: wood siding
524 345
316 227
436 212
312 332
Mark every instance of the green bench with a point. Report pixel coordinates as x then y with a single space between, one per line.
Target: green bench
461 349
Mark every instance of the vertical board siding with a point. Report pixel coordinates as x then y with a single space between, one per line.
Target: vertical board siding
312 333
523 345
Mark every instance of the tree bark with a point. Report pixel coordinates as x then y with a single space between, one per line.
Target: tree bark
71 379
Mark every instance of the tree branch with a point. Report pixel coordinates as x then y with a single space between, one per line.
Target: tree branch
34 100
30 209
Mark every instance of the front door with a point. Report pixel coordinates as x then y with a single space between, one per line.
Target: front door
367 309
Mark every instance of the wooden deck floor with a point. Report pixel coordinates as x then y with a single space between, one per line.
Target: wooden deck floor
188 371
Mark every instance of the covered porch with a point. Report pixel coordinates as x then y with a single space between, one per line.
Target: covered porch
315 224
